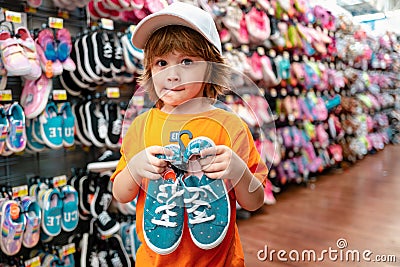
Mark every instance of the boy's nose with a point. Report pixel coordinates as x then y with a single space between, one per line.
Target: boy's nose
173 75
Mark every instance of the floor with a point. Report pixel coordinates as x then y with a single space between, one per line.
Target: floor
345 218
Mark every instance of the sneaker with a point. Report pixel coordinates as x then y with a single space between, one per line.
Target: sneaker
103 51
135 242
36 131
86 191
70 214
206 202
96 123
163 215
4 127
16 138
114 118
80 124
91 68
34 96
104 259
51 211
126 237
117 64
12 227
33 219
51 126
119 257
106 225
107 161
102 196
208 208
68 124
68 261
28 44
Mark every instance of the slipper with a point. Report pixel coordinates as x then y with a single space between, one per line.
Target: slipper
12 227
33 217
4 127
51 126
68 124
51 211
16 138
65 44
46 41
31 143
70 216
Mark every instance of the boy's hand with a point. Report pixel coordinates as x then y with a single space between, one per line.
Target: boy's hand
221 162
145 164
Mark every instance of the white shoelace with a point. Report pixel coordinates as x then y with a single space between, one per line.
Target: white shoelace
104 218
199 216
116 261
102 258
116 127
105 200
105 155
162 197
94 260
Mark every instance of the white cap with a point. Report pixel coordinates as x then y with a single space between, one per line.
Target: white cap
177 13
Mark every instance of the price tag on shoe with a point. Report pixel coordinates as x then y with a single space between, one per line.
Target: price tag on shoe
56 23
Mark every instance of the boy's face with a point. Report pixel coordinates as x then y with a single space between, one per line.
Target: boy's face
178 78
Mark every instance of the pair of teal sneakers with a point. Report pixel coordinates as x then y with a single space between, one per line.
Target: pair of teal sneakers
204 200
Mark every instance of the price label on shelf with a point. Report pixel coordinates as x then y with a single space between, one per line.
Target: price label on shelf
20 191
113 92
63 14
107 24
5 95
29 9
59 181
14 17
56 23
34 262
67 250
59 95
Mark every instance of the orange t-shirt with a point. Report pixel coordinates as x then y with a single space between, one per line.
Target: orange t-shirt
155 127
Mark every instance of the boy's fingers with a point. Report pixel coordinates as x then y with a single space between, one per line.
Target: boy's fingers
154 150
211 151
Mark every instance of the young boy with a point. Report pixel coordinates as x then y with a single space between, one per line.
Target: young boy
186 160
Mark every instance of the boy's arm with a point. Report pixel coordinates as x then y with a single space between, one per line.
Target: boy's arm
249 191
125 186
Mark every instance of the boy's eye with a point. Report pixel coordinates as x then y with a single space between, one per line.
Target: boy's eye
161 63
187 62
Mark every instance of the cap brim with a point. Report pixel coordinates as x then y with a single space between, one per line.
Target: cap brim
151 23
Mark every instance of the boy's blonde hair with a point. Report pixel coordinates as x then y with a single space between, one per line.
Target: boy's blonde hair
188 41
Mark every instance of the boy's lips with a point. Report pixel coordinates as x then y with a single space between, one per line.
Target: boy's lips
174 89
